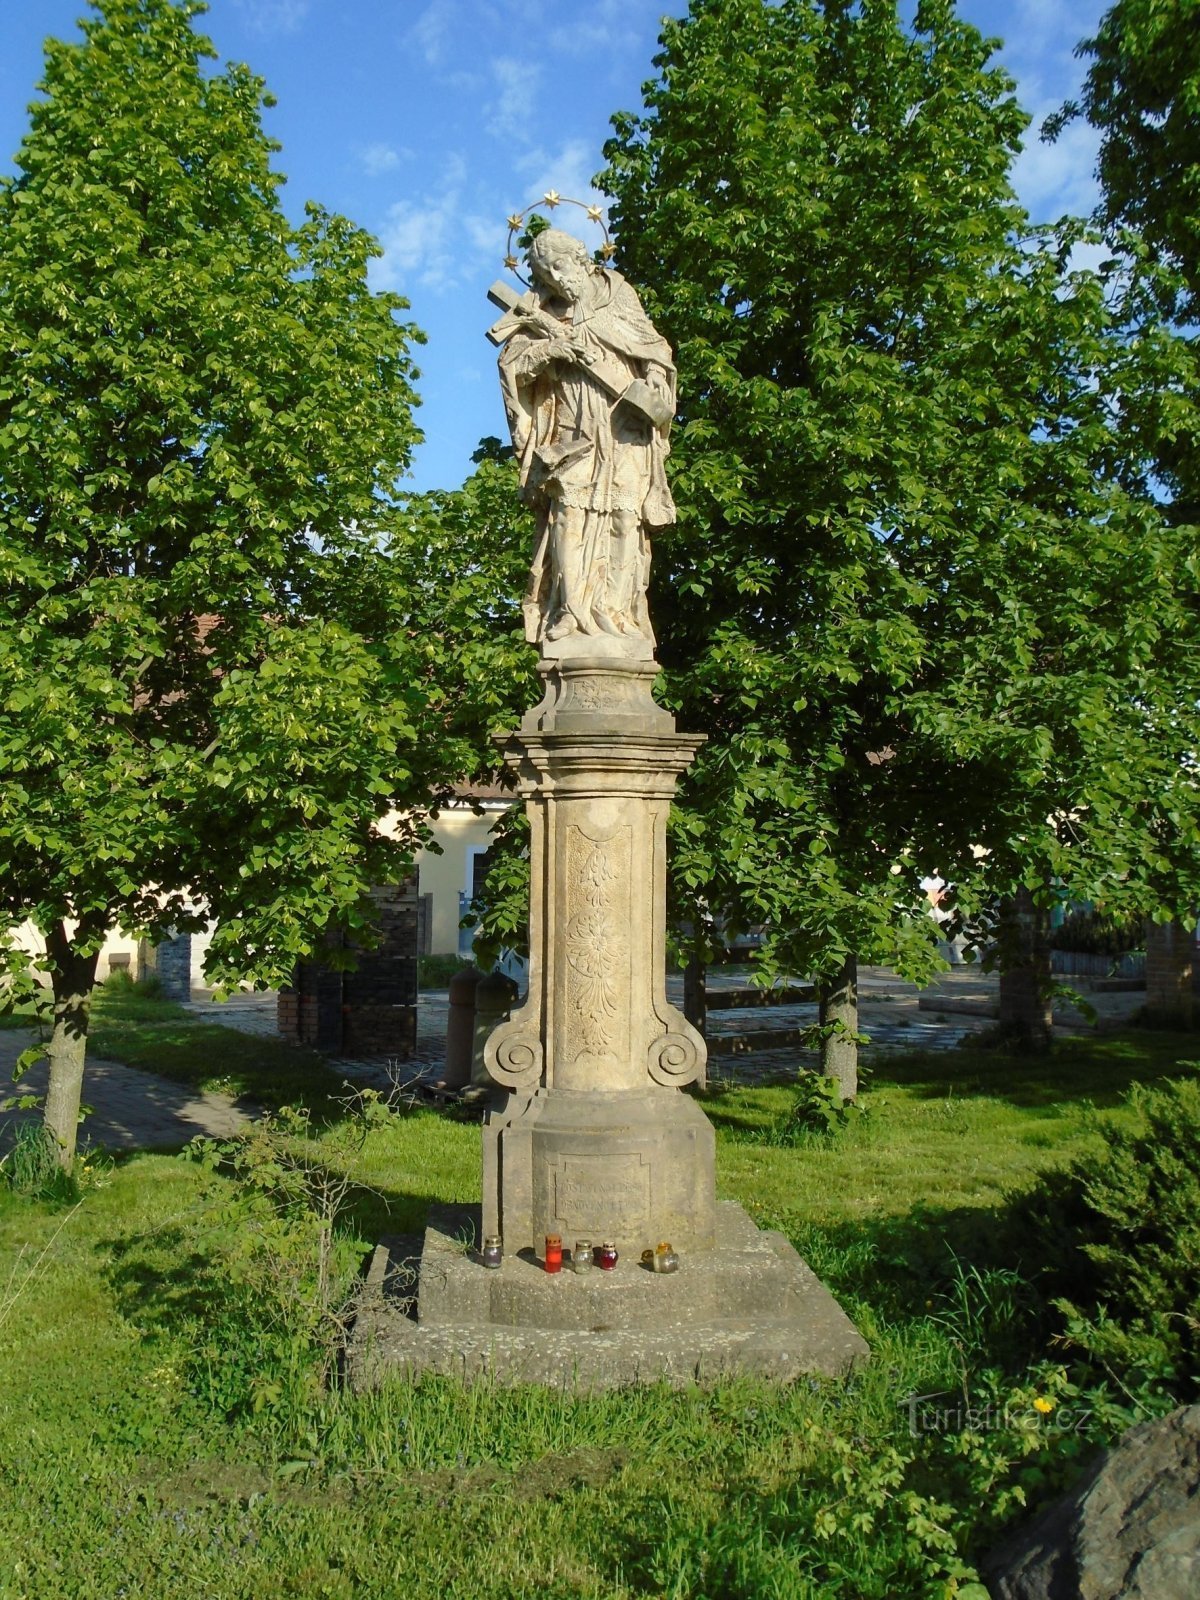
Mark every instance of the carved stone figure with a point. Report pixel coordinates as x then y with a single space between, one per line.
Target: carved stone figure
589 389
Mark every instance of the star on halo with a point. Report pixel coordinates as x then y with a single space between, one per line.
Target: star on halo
514 222
594 213
551 197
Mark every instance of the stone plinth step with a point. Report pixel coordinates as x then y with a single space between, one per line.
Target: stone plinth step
748 1306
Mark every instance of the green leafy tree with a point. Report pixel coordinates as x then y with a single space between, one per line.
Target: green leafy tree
458 562
1142 92
895 528
201 406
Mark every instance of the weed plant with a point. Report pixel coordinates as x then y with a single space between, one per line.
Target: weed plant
30 1167
143 1451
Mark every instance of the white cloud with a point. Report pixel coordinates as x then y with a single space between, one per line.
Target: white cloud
432 243
380 158
433 28
569 170
273 16
608 25
487 234
517 83
1056 179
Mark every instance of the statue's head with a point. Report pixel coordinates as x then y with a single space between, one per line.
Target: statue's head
561 263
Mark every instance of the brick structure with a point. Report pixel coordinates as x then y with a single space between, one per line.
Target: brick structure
1170 974
170 960
371 1010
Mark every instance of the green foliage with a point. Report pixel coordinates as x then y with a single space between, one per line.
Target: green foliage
818 1108
1142 91
274 1338
435 972
1099 933
202 409
457 565
30 1166
1117 1236
915 591
501 912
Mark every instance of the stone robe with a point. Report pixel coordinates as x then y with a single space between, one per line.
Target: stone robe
592 465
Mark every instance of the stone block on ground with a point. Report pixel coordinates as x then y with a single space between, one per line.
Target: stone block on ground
1129 1531
749 1305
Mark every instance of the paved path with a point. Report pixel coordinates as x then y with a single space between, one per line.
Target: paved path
132 1110
137 1110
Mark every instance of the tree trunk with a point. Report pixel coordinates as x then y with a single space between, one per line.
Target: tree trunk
73 976
1025 1007
1170 957
695 1009
839 1027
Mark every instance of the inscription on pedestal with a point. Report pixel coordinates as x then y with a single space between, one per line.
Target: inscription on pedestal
602 1191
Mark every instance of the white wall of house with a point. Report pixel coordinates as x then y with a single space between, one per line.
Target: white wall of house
463 833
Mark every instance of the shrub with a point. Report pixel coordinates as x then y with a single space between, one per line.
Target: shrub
818 1110
1117 1237
1098 933
435 972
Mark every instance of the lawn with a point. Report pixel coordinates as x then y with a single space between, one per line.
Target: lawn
141 1452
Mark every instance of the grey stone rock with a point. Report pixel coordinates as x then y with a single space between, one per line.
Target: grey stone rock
1129 1531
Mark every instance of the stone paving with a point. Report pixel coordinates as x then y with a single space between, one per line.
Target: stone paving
132 1110
138 1110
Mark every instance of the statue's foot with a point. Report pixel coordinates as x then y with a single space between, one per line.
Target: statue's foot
561 629
606 623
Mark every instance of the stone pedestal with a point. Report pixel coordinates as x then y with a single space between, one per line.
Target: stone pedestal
588 1135
593 1139
747 1305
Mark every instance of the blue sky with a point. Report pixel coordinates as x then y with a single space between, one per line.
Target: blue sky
428 121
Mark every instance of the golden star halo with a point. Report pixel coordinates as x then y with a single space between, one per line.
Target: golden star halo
517 219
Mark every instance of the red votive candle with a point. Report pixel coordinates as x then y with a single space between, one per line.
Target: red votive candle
553 1252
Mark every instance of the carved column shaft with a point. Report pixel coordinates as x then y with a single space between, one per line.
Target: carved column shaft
596 1042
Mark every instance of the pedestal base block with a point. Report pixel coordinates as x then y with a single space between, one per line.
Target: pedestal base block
747 1305
632 1167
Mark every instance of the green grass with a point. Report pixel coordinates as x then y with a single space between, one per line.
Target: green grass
120 1470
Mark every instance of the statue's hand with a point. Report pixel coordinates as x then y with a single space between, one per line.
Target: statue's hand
556 350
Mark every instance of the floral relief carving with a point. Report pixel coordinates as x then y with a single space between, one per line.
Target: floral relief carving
589 693
597 940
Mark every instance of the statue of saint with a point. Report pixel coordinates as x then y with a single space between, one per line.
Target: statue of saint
589 388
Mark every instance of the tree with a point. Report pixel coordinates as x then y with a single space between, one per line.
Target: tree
202 408
895 526
458 562
1142 92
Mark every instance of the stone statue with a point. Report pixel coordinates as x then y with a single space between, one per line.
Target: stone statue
589 389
